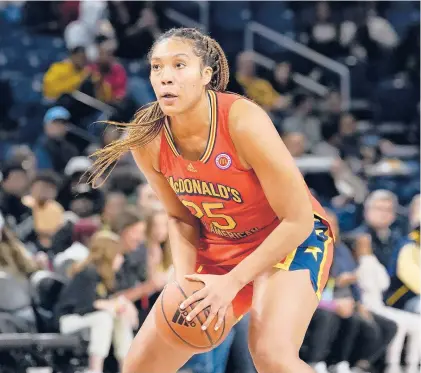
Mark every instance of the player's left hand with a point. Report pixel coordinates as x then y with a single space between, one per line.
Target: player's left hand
217 294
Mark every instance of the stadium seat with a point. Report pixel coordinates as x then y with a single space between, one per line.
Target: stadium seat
45 289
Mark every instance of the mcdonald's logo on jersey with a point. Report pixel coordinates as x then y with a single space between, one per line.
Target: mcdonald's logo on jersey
223 161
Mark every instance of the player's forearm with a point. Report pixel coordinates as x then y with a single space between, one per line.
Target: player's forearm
184 240
285 238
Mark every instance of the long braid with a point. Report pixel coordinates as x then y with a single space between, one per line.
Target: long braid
149 120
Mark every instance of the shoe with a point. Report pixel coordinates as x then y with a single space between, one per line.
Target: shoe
320 367
342 367
359 370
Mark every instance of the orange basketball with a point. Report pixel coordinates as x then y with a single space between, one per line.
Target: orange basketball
172 324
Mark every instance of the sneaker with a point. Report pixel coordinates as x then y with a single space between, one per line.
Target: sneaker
342 367
320 367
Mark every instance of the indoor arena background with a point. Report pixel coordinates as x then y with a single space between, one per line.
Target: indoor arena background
341 83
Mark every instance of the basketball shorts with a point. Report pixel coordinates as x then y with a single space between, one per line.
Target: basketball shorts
314 254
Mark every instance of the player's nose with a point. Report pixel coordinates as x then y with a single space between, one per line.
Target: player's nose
167 76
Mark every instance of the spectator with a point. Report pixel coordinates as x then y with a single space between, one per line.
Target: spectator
283 82
147 199
52 150
47 213
375 332
66 76
14 185
136 26
404 268
75 173
324 35
107 70
379 215
257 89
374 280
374 34
83 230
23 155
14 258
114 205
130 226
301 120
110 321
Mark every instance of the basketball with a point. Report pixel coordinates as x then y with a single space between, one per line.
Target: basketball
173 326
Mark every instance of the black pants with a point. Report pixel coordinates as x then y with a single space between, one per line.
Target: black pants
343 344
373 339
359 339
321 333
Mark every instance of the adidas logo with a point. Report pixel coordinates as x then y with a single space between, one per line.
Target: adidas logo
180 318
191 168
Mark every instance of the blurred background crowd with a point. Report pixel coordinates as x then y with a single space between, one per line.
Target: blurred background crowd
80 268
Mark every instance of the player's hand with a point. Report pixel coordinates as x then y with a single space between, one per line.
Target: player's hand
217 294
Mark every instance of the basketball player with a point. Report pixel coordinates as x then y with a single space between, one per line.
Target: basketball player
242 220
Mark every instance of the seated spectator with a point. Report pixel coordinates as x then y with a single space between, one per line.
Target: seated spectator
14 184
324 34
111 321
75 173
23 155
257 89
375 331
282 79
343 136
136 26
130 226
114 205
373 280
379 216
404 268
14 258
108 71
52 151
157 247
66 76
147 199
83 230
47 213
303 121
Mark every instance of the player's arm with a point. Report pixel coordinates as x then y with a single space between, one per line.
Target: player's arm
184 229
261 148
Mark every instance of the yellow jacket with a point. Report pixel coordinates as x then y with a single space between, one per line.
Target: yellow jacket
259 90
61 78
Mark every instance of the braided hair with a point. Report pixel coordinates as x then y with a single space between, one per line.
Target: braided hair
149 120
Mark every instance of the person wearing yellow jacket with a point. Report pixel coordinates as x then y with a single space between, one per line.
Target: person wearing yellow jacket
404 291
66 76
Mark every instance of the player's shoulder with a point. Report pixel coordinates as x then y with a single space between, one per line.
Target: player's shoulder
149 154
246 115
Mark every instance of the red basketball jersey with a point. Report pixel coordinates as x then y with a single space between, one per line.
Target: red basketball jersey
228 199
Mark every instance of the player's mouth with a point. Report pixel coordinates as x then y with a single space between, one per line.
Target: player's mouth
168 98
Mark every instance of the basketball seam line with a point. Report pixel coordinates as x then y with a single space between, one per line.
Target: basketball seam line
165 318
185 296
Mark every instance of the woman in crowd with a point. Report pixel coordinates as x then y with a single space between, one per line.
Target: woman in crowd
374 280
14 258
111 321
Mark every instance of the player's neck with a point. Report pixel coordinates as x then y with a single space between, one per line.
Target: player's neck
192 122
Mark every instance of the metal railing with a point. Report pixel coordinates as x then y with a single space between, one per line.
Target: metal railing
253 28
183 20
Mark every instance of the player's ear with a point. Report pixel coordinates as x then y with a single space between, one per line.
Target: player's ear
207 75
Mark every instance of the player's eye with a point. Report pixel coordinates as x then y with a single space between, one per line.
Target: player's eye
155 67
180 65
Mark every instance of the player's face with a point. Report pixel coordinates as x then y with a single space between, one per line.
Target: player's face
177 76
